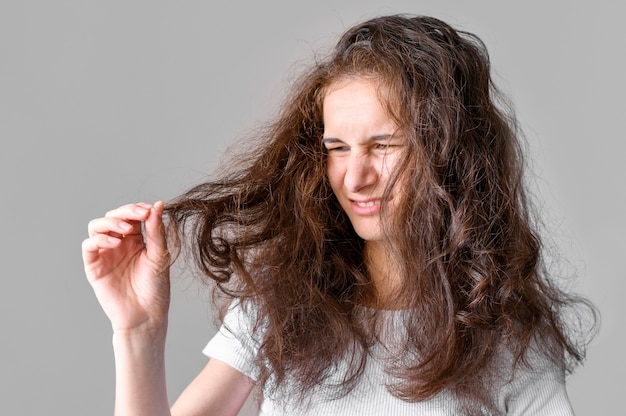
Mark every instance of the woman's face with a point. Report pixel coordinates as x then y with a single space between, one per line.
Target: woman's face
363 150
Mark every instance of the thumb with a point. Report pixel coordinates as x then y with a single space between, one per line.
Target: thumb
156 245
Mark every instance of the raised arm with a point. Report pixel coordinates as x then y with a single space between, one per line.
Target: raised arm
129 273
128 267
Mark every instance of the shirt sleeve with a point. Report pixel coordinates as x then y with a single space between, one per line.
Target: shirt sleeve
233 344
539 391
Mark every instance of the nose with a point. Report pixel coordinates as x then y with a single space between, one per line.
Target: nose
360 173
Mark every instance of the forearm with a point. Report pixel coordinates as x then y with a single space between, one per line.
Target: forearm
140 384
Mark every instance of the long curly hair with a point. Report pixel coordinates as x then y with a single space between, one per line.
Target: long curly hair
270 232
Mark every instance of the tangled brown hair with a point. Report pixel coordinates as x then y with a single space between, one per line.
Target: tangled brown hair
270 231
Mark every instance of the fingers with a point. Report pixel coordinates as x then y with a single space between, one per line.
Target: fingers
126 221
140 208
91 246
107 232
156 245
121 221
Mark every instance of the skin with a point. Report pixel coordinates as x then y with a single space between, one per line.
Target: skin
129 274
129 269
363 150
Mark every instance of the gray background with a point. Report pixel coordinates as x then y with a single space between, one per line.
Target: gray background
108 102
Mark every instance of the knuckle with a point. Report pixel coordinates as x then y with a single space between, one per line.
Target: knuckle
91 226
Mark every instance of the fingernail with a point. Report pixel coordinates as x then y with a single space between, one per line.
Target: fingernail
125 226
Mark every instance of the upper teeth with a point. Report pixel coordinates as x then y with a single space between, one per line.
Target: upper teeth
367 204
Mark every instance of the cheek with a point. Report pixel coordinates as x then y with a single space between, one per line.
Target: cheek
390 169
388 165
335 177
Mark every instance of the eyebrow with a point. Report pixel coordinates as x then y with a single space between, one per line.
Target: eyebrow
375 138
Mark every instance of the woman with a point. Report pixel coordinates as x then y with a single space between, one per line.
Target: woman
374 254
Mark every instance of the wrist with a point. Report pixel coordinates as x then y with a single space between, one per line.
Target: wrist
141 338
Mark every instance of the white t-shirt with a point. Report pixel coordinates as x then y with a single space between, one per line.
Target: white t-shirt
537 392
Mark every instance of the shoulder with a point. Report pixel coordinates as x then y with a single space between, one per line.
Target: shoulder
535 385
235 342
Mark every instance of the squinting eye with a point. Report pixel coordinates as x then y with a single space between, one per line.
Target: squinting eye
386 147
337 149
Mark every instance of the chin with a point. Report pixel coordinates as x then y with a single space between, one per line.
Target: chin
369 233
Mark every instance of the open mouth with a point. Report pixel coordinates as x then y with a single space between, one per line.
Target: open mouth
366 208
366 204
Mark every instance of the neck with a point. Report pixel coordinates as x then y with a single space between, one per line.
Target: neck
386 280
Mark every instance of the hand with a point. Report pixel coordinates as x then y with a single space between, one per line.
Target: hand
130 277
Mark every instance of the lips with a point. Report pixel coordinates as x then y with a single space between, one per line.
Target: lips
366 207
